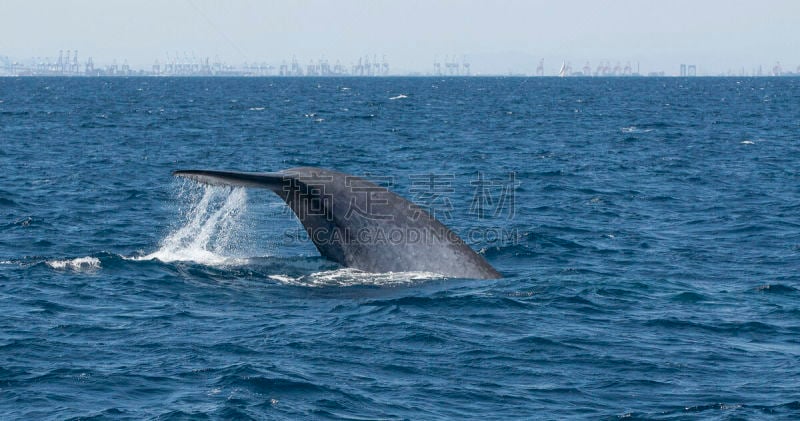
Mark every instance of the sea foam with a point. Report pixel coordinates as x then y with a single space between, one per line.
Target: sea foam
80 264
349 277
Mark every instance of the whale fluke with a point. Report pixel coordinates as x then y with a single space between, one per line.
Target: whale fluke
362 225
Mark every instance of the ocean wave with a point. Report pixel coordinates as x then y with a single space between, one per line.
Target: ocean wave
102 414
270 385
25 221
734 328
721 410
776 289
81 264
634 129
689 311
459 301
195 255
351 277
539 342
688 297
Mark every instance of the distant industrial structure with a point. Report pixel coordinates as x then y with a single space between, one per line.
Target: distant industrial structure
66 65
69 63
603 69
186 64
373 68
688 70
452 66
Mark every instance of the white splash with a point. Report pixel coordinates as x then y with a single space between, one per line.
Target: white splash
348 277
401 96
210 232
80 264
634 129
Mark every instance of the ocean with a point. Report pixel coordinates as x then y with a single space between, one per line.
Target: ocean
647 230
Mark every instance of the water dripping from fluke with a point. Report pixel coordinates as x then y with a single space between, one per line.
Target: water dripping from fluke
212 228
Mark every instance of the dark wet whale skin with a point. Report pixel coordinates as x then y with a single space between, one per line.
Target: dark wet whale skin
359 224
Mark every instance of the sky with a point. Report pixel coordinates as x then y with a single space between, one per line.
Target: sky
498 36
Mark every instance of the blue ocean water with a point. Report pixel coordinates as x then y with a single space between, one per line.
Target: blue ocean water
648 230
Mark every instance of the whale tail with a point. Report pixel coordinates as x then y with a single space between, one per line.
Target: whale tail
270 181
359 224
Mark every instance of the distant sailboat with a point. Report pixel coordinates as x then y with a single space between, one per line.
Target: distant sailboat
563 71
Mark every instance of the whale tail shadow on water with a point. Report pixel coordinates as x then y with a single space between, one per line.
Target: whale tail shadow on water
361 225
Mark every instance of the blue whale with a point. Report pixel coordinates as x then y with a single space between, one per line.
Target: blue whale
362 225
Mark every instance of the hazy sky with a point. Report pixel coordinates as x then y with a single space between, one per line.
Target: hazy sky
495 36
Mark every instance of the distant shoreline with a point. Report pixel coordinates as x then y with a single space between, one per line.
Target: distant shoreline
526 76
